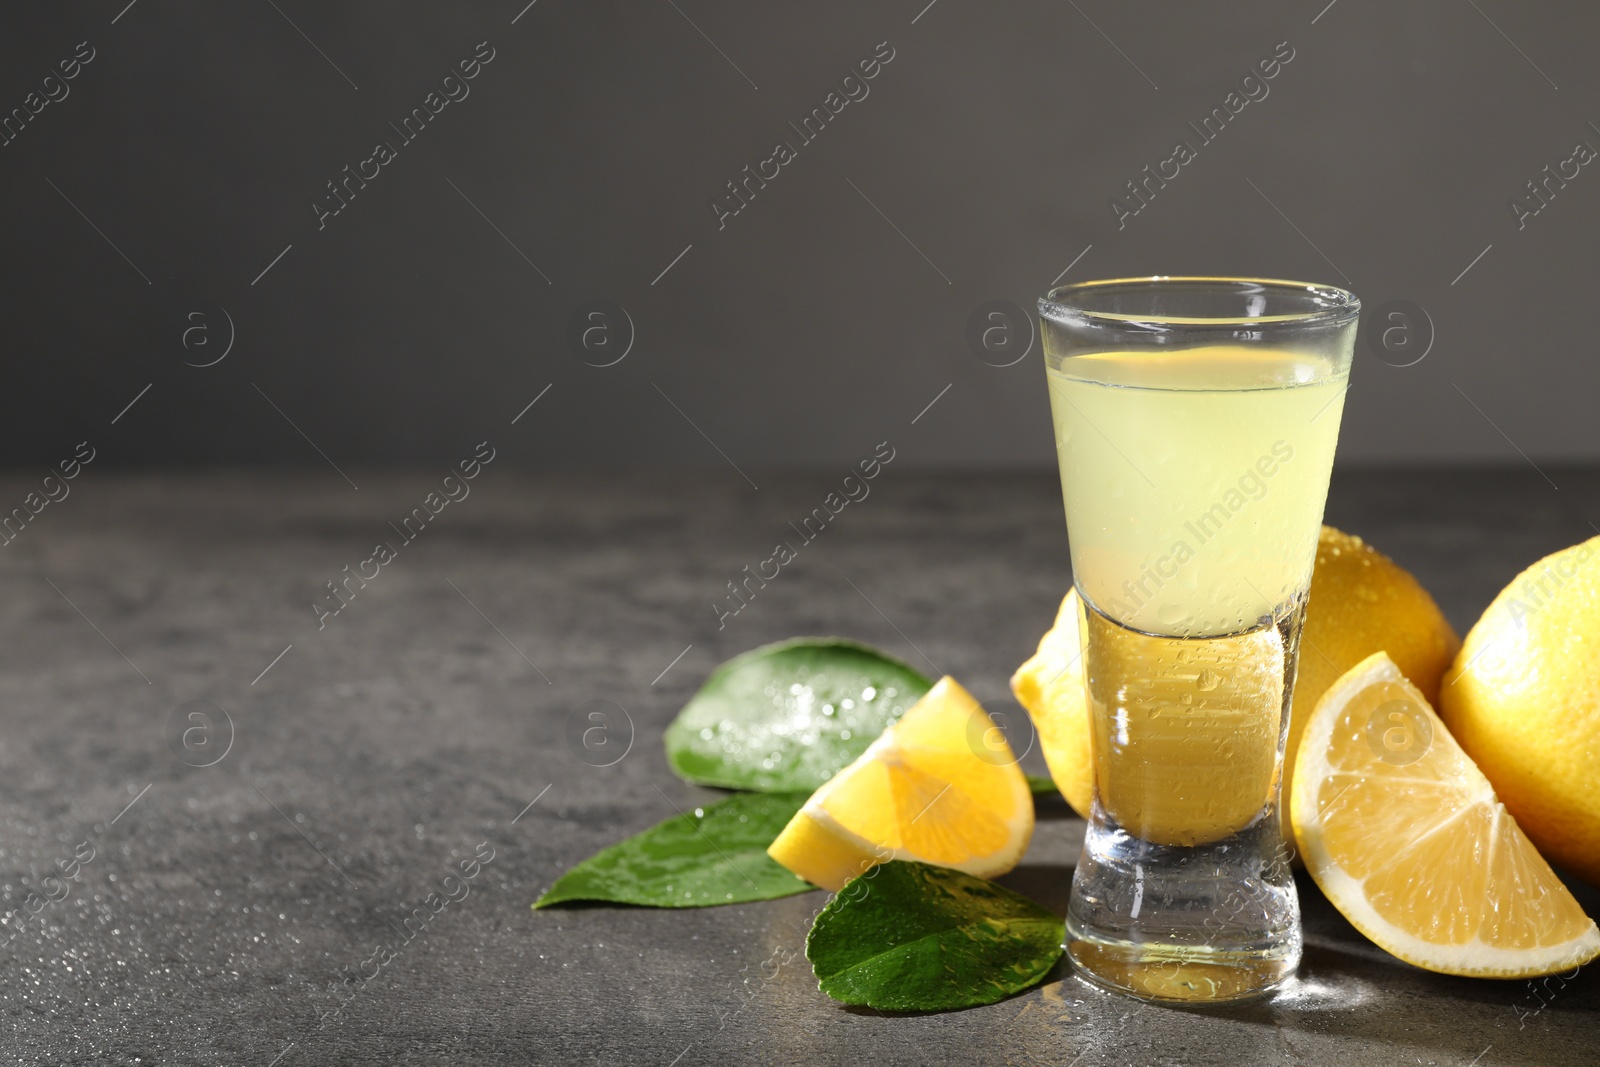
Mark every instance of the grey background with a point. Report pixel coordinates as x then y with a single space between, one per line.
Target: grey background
824 316
828 316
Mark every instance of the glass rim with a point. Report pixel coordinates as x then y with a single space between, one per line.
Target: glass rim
1339 305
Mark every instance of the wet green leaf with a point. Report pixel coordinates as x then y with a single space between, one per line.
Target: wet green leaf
915 937
706 856
789 716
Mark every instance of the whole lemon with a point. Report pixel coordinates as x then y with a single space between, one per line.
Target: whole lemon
1361 602
1524 701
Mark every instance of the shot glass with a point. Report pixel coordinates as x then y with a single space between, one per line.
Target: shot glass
1195 423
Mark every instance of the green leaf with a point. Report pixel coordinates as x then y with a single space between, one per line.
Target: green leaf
712 855
1040 785
788 716
914 937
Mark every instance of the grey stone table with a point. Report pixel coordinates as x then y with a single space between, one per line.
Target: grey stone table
234 913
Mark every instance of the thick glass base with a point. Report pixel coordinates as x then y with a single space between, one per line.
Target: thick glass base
1205 923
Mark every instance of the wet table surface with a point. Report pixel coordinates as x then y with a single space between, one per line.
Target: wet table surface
252 911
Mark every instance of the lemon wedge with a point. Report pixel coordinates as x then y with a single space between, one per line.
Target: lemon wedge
1407 838
941 785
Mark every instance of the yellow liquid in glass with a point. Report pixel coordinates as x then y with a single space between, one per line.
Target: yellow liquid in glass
1194 484
1194 481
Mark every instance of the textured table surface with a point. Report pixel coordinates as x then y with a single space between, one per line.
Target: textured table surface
228 911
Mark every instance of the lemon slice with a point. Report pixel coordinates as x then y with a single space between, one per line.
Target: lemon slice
941 786
1406 837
